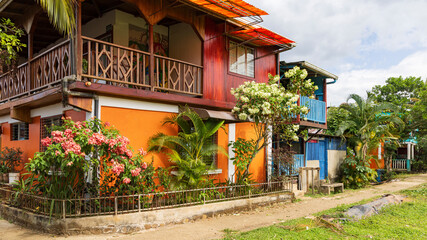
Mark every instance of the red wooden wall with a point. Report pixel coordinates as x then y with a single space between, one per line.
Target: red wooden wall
217 79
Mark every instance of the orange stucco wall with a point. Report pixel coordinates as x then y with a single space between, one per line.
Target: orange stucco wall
139 126
258 165
222 158
374 164
28 147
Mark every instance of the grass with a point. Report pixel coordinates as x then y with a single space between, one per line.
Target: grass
405 221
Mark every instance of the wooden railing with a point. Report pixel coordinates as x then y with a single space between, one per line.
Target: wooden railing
178 76
401 165
113 64
45 69
317 109
104 63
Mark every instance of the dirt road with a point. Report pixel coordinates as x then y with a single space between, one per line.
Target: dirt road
212 228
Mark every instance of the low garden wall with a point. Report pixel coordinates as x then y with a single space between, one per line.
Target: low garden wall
132 222
129 213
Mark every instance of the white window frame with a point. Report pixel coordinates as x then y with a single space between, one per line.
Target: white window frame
233 50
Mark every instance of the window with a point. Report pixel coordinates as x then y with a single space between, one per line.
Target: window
242 59
20 131
46 125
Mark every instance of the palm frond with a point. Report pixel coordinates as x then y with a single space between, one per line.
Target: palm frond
61 14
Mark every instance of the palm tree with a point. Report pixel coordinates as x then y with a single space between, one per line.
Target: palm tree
192 149
61 14
368 124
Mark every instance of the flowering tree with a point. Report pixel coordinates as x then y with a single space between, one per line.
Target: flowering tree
79 155
272 106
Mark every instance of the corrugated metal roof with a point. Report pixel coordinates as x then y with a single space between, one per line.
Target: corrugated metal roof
229 8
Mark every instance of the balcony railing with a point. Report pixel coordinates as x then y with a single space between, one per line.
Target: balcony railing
45 69
113 64
105 63
317 109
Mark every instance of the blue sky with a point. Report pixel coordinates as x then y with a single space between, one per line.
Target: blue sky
364 42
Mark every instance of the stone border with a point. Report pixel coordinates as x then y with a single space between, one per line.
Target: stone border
133 222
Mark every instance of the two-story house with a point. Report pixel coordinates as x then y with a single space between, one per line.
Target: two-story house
134 62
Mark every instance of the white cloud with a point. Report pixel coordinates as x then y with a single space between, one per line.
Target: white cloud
359 81
330 31
364 42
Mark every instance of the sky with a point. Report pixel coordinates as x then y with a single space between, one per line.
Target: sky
363 42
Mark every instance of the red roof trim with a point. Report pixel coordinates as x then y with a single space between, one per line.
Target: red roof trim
261 37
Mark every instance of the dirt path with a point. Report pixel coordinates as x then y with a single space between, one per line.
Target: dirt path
212 228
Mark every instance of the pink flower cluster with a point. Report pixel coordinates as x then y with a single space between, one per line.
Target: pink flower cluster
135 172
97 139
126 180
57 136
142 152
118 168
69 133
71 146
119 146
144 165
46 141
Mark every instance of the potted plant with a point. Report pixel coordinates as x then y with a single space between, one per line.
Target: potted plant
11 158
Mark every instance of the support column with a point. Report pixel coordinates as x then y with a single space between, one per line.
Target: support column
408 150
231 138
79 41
151 49
269 155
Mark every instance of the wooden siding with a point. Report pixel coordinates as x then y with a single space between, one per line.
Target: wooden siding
217 79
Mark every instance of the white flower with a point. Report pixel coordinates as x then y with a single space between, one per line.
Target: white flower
243 116
236 109
295 138
244 99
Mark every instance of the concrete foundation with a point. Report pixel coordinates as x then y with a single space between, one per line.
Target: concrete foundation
132 222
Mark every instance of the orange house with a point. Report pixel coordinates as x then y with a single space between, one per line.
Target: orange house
133 63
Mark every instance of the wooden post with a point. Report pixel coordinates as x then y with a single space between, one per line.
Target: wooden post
325 99
30 46
312 180
139 202
79 41
115 206
151 48
63 209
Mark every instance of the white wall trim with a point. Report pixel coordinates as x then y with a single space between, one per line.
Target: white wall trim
135 104
231 138
47 111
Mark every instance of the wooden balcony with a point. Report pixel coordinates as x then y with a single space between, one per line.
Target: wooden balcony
113 64
104 63
39 73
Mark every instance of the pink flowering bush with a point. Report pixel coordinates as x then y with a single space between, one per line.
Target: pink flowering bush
92 157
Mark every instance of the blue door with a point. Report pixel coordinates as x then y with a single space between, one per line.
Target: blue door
316 150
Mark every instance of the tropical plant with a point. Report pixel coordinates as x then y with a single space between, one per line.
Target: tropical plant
355 172
61 14
10 44
271 106
243 150
368 124
191 150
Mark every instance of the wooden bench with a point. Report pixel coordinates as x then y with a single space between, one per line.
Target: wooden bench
333 186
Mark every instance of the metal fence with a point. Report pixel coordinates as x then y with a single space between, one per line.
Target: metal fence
109 205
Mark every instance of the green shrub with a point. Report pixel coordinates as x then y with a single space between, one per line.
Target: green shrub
356 173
